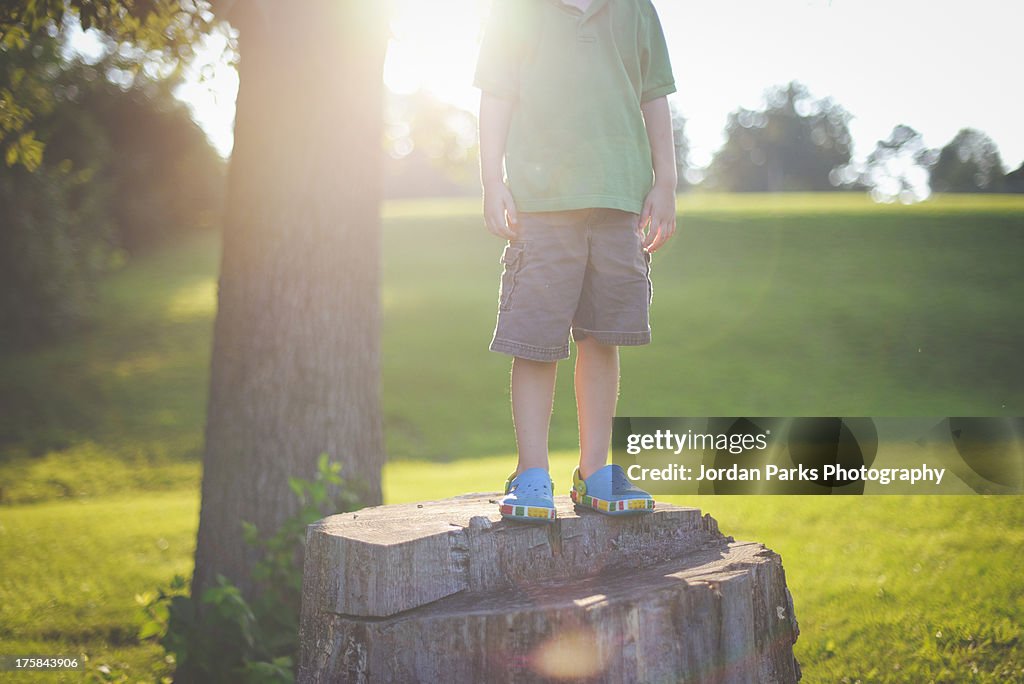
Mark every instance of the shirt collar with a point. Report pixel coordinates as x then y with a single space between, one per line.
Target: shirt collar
595 7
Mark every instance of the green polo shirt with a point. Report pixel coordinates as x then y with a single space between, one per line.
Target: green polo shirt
577 137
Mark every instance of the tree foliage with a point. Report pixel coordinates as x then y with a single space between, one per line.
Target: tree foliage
164 30
795 143
241 640
57 235
1014 181
166 176
897 168
431 147
57 241
123 166
970 162
682 147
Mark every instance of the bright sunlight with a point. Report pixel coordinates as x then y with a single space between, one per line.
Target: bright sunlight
429 49
434 50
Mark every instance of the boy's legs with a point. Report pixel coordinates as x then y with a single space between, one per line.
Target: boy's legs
596 485
597 390
591 260
533 391
528 491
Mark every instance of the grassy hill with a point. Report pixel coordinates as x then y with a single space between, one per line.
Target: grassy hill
763 305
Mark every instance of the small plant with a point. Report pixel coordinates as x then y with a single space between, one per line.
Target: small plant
237 640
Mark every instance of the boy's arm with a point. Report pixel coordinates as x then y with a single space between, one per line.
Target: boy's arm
499 207
660 205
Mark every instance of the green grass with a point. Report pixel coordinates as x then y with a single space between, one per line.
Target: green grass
811 305
886 589
764 305
71 570
121 406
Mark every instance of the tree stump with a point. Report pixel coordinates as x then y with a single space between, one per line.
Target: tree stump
446 591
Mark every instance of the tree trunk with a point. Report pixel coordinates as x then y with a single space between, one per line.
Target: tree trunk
295 365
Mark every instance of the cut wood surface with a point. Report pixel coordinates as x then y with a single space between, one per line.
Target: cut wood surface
446 591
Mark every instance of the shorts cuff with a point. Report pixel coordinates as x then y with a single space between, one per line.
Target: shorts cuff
611 337
528 351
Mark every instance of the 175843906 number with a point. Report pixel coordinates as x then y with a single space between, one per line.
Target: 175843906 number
16 663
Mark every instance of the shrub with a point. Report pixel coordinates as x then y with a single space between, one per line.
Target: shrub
168 179
57 241
238 640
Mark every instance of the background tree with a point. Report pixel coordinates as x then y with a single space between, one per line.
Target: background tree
795 143
1014 181
431 148
167 177
122 162
682 147
163 30
57 236
898 165
970 162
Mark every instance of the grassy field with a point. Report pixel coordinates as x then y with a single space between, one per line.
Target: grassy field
796 305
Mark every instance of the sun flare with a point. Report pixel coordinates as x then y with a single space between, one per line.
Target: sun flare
433 47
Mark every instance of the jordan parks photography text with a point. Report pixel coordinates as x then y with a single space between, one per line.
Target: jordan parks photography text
832 472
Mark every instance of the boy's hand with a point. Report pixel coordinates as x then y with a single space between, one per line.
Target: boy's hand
658 217
500 211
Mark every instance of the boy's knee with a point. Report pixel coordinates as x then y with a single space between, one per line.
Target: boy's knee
591 345
523 362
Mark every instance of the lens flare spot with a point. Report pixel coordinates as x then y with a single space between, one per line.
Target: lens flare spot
572 654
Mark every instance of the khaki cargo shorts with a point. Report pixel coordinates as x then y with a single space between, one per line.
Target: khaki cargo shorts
583 272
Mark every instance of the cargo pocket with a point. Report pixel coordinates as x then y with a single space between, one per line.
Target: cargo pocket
512 259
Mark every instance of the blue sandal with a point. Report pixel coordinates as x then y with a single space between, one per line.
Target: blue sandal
609 491
528 497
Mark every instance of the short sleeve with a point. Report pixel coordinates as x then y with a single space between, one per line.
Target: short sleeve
497 68
655 67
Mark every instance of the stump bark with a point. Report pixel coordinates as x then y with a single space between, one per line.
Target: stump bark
445 591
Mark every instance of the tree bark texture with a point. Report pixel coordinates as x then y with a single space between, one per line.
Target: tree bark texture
295 366
447 591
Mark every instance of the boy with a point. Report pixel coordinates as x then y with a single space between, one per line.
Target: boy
573 109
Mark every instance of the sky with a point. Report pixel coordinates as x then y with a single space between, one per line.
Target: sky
936 65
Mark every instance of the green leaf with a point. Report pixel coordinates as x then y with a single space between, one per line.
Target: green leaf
30 150
15 37
250 533
150 629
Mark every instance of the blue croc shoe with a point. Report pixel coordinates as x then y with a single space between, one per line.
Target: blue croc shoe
609 491
528 497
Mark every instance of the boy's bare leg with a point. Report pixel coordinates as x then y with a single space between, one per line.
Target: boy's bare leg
533 391
597 390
